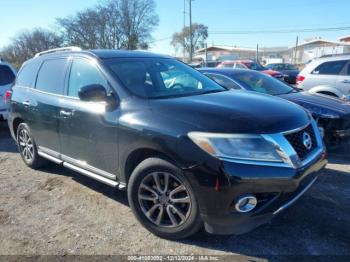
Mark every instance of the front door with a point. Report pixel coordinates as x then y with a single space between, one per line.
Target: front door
88 133
343 81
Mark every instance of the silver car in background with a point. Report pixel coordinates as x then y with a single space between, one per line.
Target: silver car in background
7 76
329 75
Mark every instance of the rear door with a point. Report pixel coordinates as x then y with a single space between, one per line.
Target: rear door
44 104
343 81
88 133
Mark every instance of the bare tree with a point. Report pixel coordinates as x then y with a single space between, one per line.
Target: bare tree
26 44
182 39
114 24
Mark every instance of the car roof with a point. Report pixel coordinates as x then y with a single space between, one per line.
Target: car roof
225 71
106 53
238 61
280 64
332 58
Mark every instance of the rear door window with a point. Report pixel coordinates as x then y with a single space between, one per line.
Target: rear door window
330 68
51 76
6 75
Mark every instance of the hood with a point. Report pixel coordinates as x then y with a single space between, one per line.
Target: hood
320 105
271 72
233 112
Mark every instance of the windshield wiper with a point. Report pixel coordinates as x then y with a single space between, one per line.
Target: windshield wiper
211 91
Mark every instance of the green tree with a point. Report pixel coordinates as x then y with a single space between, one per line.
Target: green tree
183 40
26 44
115 24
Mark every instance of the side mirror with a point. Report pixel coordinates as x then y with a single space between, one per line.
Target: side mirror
97 93
93 93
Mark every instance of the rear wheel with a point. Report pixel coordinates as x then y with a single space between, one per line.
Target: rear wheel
162 199
27 147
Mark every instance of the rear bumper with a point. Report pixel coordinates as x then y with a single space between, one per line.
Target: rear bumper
276 190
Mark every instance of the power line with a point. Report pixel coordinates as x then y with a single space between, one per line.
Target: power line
161 39
283 31
290 26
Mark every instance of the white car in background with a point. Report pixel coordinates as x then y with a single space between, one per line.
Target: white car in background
7 76
329 75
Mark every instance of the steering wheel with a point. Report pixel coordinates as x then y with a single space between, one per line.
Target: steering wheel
177 84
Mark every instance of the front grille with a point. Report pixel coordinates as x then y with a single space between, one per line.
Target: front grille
297 141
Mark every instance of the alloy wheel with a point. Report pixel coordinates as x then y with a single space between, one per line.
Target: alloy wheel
164 199
26 145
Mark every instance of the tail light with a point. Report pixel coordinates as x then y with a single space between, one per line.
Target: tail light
7 96
300 79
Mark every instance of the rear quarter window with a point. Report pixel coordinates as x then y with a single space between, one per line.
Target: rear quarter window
330 68
51 76
27 74
6 75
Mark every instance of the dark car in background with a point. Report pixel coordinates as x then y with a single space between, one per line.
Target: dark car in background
289 71
249 64
332 114
7 77
188 151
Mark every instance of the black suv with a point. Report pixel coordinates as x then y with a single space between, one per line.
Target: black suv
188 151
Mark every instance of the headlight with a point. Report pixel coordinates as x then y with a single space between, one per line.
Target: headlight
236 146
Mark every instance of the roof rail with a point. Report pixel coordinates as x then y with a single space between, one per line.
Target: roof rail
332 55
61 49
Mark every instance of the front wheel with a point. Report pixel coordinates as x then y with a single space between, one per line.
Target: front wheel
162 199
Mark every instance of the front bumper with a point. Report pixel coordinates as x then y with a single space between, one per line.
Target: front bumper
336 130
275 187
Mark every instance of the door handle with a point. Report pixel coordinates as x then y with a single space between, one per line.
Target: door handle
345 81
26 103
66 113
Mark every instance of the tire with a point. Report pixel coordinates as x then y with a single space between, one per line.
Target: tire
180 216
27 147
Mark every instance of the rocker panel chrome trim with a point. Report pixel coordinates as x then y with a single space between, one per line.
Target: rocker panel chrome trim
92 175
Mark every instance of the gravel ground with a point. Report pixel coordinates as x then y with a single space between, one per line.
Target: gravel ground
55 211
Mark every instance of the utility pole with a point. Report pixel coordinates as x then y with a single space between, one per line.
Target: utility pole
206 54
296 50
257 53
184 49
191 39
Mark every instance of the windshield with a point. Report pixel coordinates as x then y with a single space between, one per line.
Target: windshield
262 83
160 77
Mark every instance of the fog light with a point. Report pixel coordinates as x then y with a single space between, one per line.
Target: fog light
246 203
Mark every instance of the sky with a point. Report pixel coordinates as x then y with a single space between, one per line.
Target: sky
218 15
